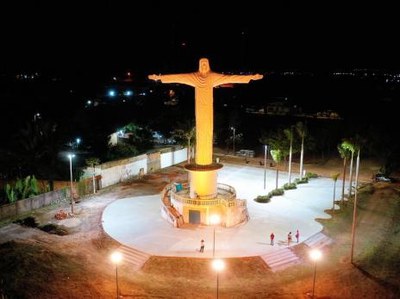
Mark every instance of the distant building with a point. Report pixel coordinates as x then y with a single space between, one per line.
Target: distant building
328 114
278 108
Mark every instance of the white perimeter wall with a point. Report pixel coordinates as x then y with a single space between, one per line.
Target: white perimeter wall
118 171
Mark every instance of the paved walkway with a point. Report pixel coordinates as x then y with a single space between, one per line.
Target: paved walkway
136 222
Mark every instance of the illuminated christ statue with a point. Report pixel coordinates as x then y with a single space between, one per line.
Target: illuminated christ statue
203 82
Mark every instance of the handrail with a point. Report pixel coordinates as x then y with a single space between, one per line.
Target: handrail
229 200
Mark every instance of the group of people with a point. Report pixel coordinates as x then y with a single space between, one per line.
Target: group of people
271 238
289 238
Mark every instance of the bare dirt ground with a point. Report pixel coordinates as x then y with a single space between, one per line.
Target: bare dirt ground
78 265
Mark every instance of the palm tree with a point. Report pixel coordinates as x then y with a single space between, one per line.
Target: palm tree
350 146
334 178
344 154
277 156
302 132
289 135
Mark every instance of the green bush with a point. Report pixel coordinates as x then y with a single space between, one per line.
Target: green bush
311 175
267 198
263 198
290 186
302 181
277 192
23 188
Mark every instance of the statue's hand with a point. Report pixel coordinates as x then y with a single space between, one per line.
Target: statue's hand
257 77
154 77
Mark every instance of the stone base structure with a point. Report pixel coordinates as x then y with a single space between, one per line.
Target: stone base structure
179 208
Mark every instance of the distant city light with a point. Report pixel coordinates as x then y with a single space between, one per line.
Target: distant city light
128 93
112 93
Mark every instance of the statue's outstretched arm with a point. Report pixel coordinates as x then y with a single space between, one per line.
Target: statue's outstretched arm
224 79
174 78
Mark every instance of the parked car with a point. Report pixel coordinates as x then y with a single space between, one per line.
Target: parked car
379 177
245 153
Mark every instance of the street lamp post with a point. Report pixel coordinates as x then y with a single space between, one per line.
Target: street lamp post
70 156
265 165
116 258
94 179
218 266
233 138
215 219
315 255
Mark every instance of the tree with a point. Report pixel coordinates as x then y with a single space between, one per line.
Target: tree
344 154
140 140
302 132
350 146
185 134
289 135
36 150
334 178
279 145
277 156
92 162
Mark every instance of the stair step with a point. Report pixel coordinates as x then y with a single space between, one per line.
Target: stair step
133 256
280 259
283 261
319 240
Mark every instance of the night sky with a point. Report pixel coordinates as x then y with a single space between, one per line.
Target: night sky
150 37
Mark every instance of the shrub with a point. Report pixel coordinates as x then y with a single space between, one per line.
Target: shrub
290 186
28 221
311 175
54 229
263 198
277 192
302 181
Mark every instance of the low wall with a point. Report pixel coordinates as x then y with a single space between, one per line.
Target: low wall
25 205
107 174
122 170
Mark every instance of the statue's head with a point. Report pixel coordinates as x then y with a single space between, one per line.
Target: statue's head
204 66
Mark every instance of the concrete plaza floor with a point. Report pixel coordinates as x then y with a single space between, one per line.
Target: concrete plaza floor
136 222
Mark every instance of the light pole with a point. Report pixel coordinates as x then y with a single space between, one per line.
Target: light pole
70 156
265 165
315 255
214 219
233 138
94 178
218 266
77 141
116 258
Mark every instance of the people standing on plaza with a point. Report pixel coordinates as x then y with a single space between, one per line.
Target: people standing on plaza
297 235
272 237
202 245
289 238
